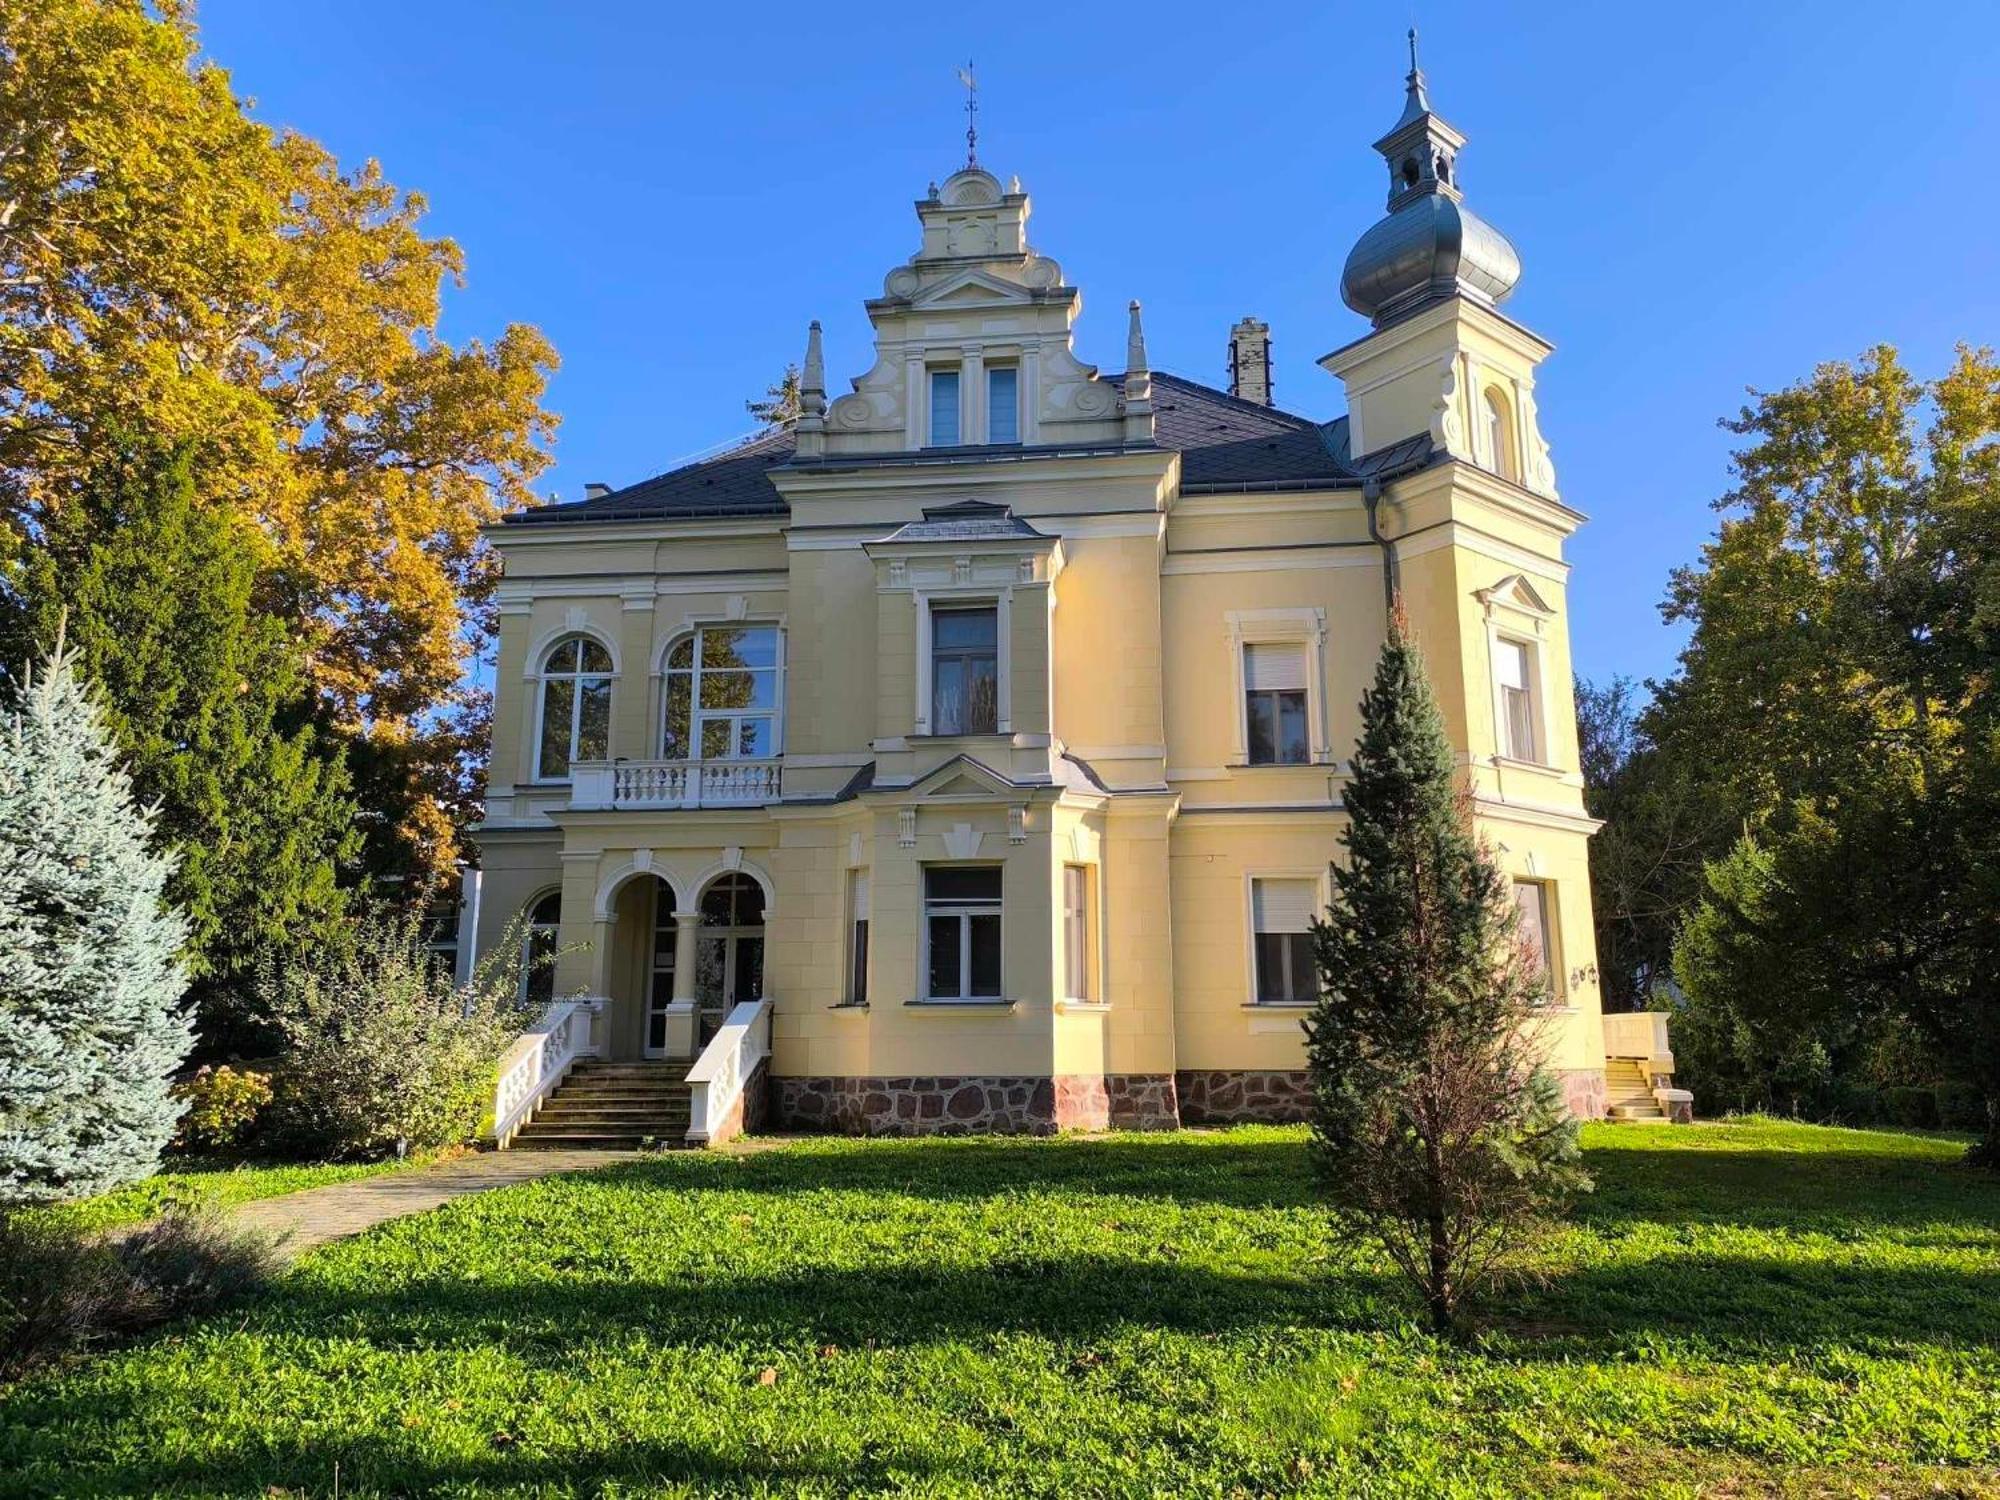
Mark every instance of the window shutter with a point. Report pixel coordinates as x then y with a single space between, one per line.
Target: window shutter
860 896
1283 905
1274 668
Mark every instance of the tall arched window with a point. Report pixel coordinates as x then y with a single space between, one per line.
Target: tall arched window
538 950
1500 435
576 707
729 951
722 695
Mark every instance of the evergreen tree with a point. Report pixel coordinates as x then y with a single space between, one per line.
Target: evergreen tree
780 404
205 698
90 975
1436 1128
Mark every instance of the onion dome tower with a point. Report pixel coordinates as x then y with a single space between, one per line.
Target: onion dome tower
1430 247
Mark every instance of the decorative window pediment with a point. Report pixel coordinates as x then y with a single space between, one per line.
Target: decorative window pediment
1516 595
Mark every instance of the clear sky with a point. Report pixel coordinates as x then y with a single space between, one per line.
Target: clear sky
1705 197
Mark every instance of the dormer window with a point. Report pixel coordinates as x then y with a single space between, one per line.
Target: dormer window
944 409
1003 404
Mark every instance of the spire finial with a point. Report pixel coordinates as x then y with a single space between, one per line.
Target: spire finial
1413 51
971 82
1135 342
1416 101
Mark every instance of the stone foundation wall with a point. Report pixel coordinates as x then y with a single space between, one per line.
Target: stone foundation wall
1143 1101
916 1105
1583 1092
1235 1096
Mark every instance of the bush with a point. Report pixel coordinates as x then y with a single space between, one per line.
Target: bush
1960 1106
221 1105
385 1053
1913 1108
62 1291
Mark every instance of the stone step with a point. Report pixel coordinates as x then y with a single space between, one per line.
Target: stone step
583 1115
577 1140
1637 1112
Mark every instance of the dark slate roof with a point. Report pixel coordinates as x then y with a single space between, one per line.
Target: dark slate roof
964 521
1225 444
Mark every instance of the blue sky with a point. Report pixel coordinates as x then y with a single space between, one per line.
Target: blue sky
1705 197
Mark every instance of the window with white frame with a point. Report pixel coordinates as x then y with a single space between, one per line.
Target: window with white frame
1281 914
1531 898
1514 674
962 932
1003 404
1077 947
944 409
538 949
965 669
721 700
1274 704
857 937
575 706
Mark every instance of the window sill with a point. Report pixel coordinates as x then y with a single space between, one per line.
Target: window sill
849 1005
1256 1005
933 1003
1278 765
1510 763
1085 1006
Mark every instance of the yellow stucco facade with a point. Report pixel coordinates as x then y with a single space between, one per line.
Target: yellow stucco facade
1035 697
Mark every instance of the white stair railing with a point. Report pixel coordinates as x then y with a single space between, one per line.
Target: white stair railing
537 1061
719 1076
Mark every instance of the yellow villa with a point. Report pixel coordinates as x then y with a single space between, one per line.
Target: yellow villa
968 755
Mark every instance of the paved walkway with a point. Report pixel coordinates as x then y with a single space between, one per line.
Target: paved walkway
312 1217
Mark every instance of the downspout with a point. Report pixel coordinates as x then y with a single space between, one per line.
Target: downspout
1371 496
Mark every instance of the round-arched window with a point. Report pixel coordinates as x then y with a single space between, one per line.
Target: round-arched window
538 950
1500 435
722 695
576 707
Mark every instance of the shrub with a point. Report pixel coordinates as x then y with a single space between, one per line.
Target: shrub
1960 1107
385 1053
1913 1107
221 1104
63 1290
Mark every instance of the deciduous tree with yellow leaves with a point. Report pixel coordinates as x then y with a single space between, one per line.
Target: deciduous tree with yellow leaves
170 264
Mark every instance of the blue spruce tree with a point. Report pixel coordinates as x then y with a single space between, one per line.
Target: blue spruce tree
91 979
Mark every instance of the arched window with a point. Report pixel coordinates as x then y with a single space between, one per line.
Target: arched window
1500 435
538 950
576 707
722 695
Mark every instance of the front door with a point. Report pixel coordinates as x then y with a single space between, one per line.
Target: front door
729 951
660 973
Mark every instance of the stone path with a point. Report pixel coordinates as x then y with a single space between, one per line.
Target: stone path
316 1215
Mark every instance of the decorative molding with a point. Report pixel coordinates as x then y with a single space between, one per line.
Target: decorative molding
961 841
1017 825
906 828
732 858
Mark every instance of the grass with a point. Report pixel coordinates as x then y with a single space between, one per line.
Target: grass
196 1179
1741 1309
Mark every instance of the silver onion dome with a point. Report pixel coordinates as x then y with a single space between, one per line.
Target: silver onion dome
1430 246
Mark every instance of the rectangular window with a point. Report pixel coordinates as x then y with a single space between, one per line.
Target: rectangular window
962 932
1281 913
1003 404
1076 934
1274 705
965 670
857 937
944 409
1532 897
1517 701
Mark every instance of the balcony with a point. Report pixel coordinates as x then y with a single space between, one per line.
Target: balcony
668 784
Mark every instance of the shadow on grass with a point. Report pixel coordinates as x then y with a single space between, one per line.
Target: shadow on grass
1826 1191
333 1464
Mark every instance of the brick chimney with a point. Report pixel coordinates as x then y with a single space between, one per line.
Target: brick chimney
1250 361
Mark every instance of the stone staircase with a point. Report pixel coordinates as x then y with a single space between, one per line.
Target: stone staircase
1627 1094
607 1106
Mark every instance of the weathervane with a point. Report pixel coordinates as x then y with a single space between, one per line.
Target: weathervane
971 113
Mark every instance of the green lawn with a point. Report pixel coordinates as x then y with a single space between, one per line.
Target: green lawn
198 1180
1742 1309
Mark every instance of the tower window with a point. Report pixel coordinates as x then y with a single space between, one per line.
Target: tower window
1500 455
944 408
1412 173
